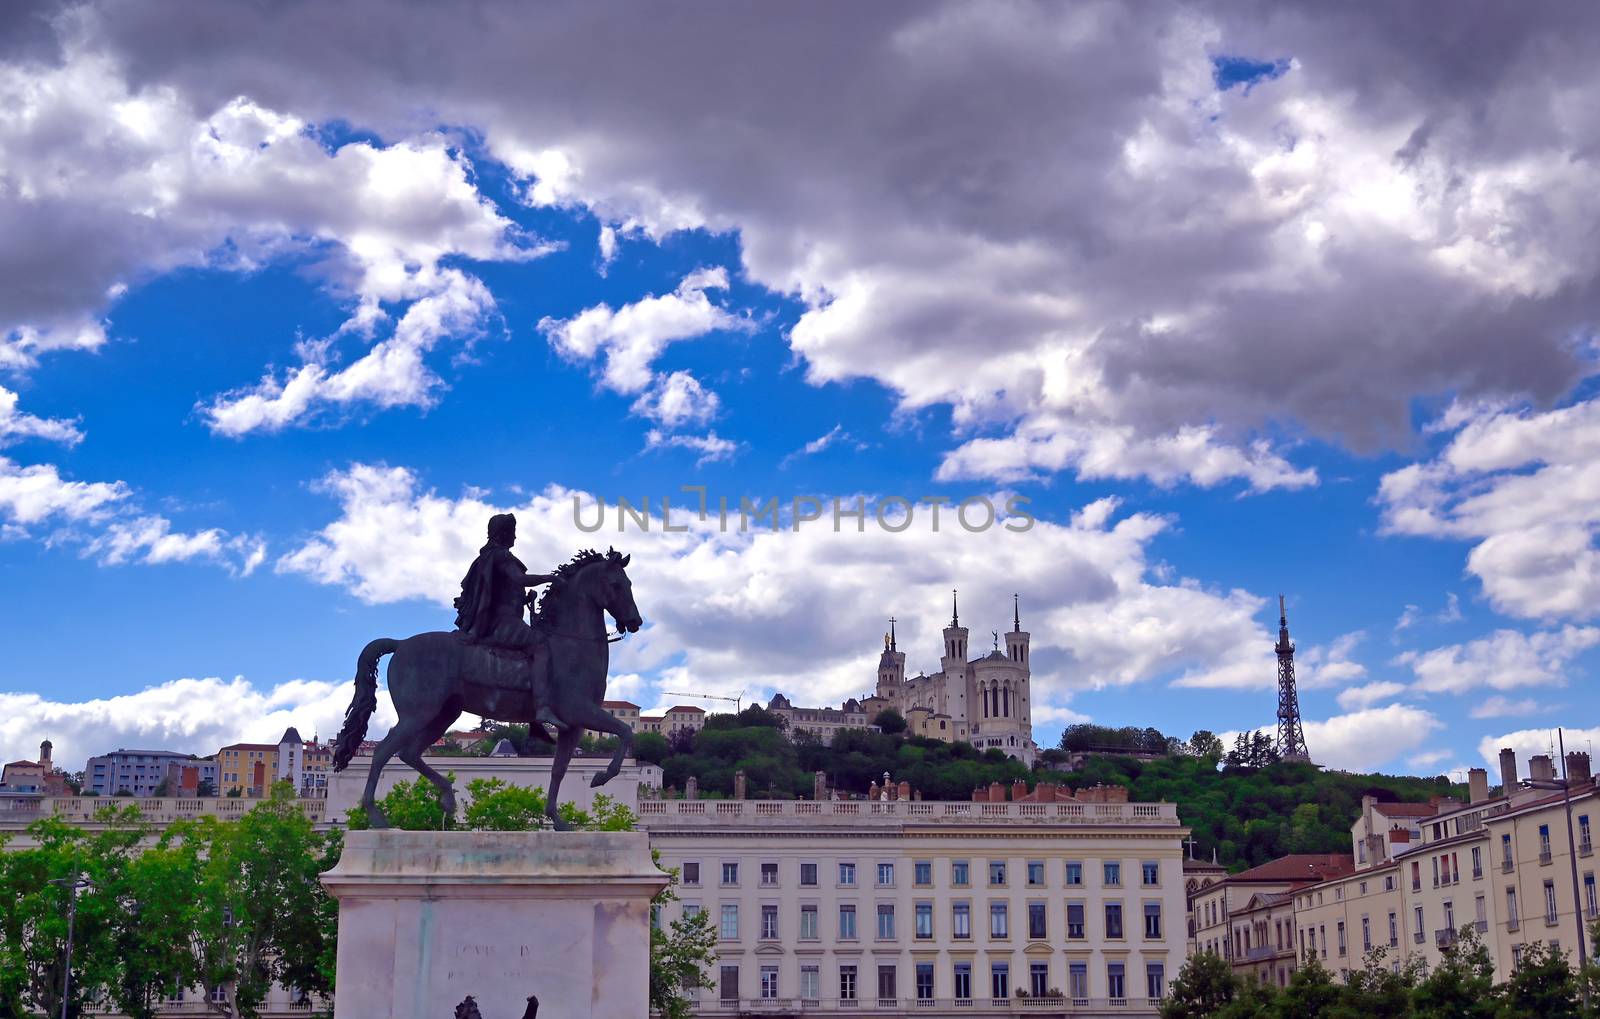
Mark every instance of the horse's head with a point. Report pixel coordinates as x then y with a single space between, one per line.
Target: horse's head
616 592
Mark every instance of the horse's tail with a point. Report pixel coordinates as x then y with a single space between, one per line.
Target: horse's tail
364 703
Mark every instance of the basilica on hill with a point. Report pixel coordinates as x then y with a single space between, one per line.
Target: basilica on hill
982 699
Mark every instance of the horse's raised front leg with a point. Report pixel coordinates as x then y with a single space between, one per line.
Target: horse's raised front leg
566 743
590 716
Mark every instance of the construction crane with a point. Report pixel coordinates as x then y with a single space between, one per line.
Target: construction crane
738 702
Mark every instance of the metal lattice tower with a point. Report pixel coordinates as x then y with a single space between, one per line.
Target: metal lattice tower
1291 736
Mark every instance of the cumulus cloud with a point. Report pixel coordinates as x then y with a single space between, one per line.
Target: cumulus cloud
801 611
1369 693
1529 742
1522 487
1503 707
675 400
114 181
37 493
1363 740
195 716
1504 660
708 448
1330 664
16 425
1132 273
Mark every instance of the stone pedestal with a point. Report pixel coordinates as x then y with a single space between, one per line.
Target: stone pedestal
427 918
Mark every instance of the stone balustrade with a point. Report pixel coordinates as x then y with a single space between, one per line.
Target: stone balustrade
700 813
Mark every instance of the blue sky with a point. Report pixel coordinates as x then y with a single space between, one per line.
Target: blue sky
283 329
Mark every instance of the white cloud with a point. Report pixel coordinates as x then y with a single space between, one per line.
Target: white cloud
1408 618
1530 742
1369 694
1330 664
38 493
802 611
1150 267
1429 759
709 447
195 716
1365 740
1523 487
1502 707
1504 660
16 425
675 400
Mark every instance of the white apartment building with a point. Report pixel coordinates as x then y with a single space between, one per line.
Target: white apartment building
928 908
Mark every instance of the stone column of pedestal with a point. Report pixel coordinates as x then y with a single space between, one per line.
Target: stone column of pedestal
427 918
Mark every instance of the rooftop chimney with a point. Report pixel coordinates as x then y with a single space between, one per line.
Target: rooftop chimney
1541 768
1578 769
1508 772
1477 785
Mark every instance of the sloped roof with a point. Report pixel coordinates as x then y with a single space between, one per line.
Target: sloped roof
687 707
1406 809
618 704
291 735
1298 867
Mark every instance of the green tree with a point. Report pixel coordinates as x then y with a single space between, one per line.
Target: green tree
258 902
1204 743
1542 986
1461 986
890 721
650 748
152 946
1203 986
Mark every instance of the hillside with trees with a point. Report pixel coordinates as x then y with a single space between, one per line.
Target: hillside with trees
1243 802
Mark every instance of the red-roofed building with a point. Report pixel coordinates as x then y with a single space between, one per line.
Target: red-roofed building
1248 917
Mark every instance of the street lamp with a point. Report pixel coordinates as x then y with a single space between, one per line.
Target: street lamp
1565 785
74 885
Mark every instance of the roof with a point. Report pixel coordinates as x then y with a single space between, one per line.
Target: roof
1406 809
246 746
618 704
687 707
1298 867
290 735
24 764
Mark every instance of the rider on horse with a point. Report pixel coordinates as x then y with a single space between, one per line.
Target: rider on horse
493 594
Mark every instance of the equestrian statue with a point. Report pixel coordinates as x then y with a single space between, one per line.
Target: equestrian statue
496 665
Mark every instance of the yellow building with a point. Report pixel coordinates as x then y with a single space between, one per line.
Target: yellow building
250 768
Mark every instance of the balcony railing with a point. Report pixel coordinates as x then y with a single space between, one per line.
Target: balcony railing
1512 924
1481 926
874 1006
1444 937
1477 873
1507 865
1419 937
1544 856
802 813
1585 847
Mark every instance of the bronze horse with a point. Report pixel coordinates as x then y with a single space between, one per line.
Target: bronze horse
435 676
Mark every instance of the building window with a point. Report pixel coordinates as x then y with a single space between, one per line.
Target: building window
924 919
960 873
730 923
810 983
997 873
1544 843
1589 903
1036 924
1152 921
1078 981
1511 907
847 874
1366 934
769 922
1116 988
885 921
847 923
1417 915
924 981
1074 873
769 874
769 981
999 981
1505 852
730 983
885 875
1550 902
1036 873
1477 862
691 872
1074 921
1155 980
923 872
1113 875
808 923
998 927
730 873
963 980
847 983
1150 873
1340 929
886 989
808 875
961 920
1039 979
1113 919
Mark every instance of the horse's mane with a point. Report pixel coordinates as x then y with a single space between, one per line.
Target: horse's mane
550 601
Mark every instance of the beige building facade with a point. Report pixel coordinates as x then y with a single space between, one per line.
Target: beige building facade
901 907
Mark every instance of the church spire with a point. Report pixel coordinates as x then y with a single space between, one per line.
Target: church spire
955 612
1016 614
891 634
